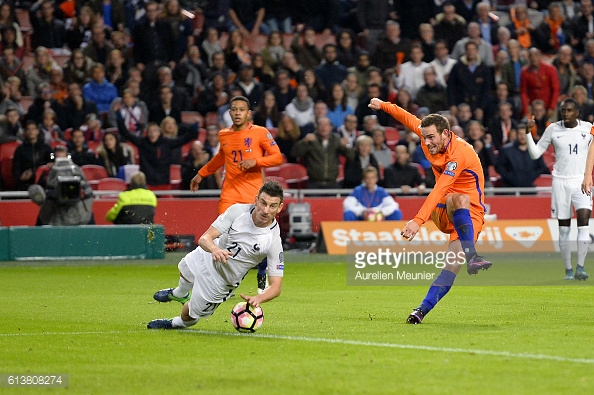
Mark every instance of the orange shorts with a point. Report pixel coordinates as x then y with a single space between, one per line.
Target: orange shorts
443 223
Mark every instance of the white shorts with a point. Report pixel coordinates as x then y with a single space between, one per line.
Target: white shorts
207 291
568 192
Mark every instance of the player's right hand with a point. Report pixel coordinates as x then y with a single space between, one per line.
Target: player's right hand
195 183
375 104
530 124
587 185
410 230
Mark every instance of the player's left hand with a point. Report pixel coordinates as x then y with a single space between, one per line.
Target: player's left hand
246 164
587 185
252 300
410 230
375 104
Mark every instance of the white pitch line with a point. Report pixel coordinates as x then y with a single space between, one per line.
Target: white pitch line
506 354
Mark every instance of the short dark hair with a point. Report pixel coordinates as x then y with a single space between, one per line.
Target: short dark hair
273 189
240 98
440 122
569 100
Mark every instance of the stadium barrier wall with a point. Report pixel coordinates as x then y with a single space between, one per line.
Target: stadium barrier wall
82 242
182 216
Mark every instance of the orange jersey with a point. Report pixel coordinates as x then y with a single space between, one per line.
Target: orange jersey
241 186
457 170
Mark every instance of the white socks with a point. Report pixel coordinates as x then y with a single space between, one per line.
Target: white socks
583 244
183 288
564 246
179 323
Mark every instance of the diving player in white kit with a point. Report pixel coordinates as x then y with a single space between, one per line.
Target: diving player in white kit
571 139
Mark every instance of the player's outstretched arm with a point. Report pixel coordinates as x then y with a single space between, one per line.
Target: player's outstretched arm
271 292
398 113
587 181
207 243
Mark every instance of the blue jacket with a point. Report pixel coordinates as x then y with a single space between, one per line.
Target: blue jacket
101 94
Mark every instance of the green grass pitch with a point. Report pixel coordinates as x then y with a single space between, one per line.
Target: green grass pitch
88 319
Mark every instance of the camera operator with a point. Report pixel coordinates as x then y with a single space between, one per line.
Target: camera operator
68 198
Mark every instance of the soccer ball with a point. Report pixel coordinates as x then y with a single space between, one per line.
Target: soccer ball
247 318
373 215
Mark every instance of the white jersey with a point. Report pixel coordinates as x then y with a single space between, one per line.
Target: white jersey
571 148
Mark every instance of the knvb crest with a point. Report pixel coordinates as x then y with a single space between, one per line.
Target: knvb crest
247 142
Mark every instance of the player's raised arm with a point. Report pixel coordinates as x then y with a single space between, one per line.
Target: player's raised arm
207 243
407 119
537 149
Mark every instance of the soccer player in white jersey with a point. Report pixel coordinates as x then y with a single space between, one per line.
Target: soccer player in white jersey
571 139
237 241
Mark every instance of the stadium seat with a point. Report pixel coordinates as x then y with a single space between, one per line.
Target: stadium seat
111 184
544 180
549 157
419 168
93 174
186 148
273 132
192 117
175 178
494 177
212 118
392 135
280 180
93 145
294 174
273 171
202 134
6 174
7 149
39 172
68 134
340 177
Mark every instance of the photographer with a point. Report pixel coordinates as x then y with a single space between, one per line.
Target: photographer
68 198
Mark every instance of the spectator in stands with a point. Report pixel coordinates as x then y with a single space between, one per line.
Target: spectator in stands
569 8
52 133
262 72
99 47
79 151
28 156
485 50
315 89
8 19
449 26
283 91
511 71
5 102
64 202
249 86
57 85
427 41
320 111
368 199
193 162
541 118
402 174
15 91
567 73
180 98
347 52
12 126
267 114
483 146
171 130
301 109
353 168
163 108
380 150
136 205
321 150
212 144
155 151
213 96
584 105
470 82
191 72
539 80
467 9
99 90
361 68
247 17
76 109
219 66
211 45
78 33
11 66
348 130
443 63
112 154
296 72
488 27
181 28
330 71
391 44
40 70
352 90
78 68
48 31
337 106
153 40
306 52
274 50
111 12
132 110
373 90
236 52
432 95
515 166
501 127
522 29
42 101
587 76
588 56
116 69
555 29
375 76
410 74
404 100
372 16
320 14
503 37
288 134
581 26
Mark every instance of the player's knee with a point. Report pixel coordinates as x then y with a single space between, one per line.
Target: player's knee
460 200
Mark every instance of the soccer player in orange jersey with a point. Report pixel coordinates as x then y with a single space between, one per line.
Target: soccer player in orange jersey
242 148
456 203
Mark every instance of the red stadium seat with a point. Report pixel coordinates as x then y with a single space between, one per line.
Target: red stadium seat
186 148
111 184
6 174
294 174
212 118
192 117
280 180
419 168
494 177
7 149
544 180
39 172
273 171
175 178
93 173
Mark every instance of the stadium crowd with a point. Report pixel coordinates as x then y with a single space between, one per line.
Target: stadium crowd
123 82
